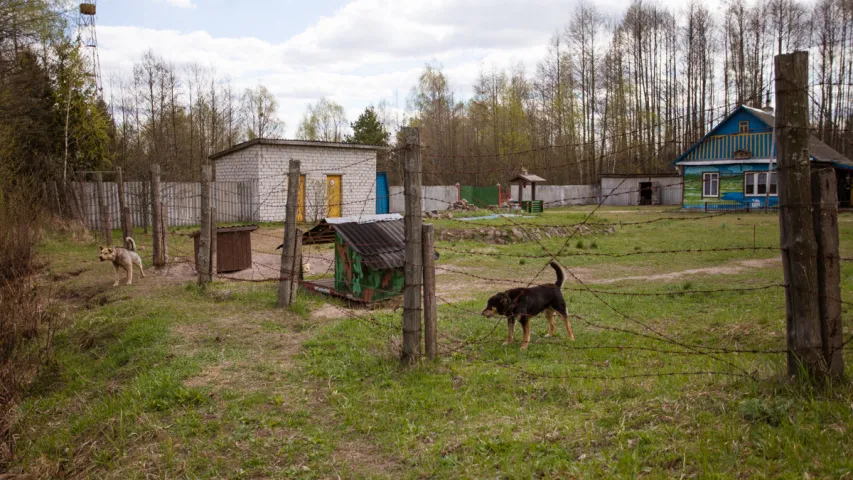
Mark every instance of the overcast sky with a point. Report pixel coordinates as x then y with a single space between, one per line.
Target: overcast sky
354 52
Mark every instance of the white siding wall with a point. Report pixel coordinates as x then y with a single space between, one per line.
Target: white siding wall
269 164
435 197
625 191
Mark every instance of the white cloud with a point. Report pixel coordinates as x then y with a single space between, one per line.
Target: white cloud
180 3
365 51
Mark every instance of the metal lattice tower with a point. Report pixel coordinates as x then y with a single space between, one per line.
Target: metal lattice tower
88 40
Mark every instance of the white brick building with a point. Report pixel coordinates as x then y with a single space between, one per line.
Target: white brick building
326 166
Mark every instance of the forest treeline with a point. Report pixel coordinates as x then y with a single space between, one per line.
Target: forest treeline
611 95
628 95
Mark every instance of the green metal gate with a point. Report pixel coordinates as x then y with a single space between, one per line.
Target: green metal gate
480 196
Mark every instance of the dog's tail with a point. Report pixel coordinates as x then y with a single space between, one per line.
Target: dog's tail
561 277
130 244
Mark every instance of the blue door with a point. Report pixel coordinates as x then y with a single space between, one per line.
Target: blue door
382 205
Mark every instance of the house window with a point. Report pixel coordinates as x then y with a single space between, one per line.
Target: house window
710 184
755 183
743 127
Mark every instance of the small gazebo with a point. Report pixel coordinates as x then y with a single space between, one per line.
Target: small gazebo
523 180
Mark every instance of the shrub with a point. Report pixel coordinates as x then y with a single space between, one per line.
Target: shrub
26 321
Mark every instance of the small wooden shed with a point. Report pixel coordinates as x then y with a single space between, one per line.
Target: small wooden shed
233 248
523 180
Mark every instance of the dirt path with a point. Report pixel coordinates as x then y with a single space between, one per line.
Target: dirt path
270 345
731 268
455 283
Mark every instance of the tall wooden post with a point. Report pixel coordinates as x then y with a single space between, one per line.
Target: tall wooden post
286 275
124 208
146 210
203 267
55 190
164 231
156 220
825 199
430 304
799 248
213 246
414 275
104 211
82 193
296 266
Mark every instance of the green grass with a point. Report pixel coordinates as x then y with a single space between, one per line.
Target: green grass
169 380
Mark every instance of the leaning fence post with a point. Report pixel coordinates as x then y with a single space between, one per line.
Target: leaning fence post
798 243
203 266
56 196
430 304
106 229
164 230
825 200
296 265
146 211
124 208
414 275
213 246
157 220
286 274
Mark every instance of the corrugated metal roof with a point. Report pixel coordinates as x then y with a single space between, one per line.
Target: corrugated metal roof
324 232
381 244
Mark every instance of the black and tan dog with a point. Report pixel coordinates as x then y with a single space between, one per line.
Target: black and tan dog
125 258
522 304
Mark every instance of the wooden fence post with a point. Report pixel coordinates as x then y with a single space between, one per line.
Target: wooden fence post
214 266
203 259
164 231
286 274
55 189
84 203
146 213
799 247
296 267
825 199
106 228
414 274
157 219
430 304
124 208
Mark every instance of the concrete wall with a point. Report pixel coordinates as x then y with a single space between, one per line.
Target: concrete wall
560 195
269 164
626 190
432 198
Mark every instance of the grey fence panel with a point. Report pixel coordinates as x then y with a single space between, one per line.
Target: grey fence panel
235 202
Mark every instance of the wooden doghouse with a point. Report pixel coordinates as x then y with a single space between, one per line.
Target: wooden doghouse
369 257
233 248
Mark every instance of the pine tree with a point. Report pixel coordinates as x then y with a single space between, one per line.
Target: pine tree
368 130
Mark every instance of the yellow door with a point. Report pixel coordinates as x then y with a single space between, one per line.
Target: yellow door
333 195
300 202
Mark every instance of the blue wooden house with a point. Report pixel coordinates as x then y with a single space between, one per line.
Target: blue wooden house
733 166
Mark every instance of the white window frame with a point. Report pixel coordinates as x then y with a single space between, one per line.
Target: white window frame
755 175
740 126
710 175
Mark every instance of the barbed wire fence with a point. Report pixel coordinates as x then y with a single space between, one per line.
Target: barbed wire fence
242 202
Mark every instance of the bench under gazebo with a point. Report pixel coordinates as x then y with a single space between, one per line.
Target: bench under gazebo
523 180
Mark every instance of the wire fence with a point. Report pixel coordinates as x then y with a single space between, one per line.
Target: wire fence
634 331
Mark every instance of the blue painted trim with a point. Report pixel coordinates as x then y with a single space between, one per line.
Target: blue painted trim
717 128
